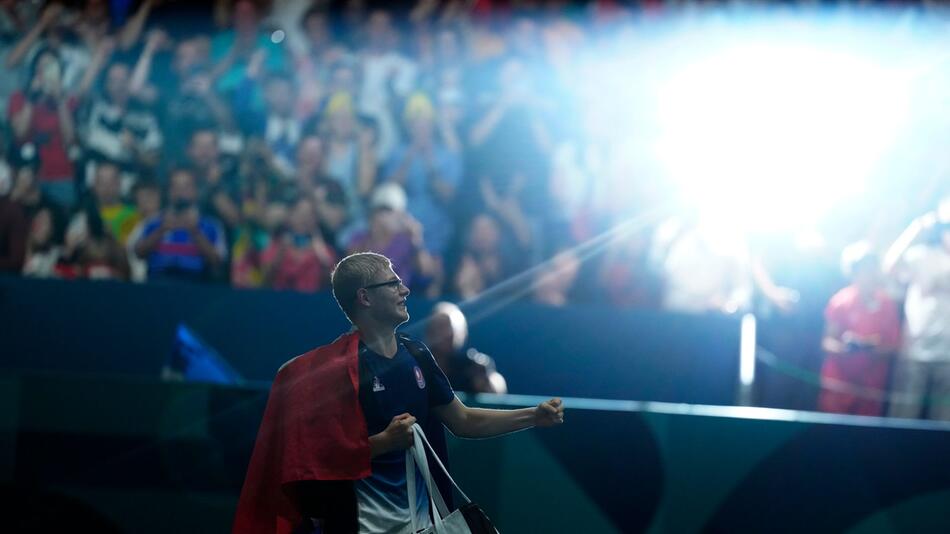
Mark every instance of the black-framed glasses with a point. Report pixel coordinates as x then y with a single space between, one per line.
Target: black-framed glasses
388 283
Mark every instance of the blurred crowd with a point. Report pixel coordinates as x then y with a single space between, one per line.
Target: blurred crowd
255 143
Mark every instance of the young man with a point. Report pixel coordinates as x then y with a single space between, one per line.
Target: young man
330 451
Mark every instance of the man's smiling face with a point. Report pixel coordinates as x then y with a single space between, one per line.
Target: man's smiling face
388 298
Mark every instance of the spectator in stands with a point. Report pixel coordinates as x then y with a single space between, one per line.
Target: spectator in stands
44 246
486 259
96 233
56 32
42 119
397 235
308 164
120 218
185 94
502 195
920 260
27 192
554 283
262 211
314 61
14 228
277 123
428 171
510 145
97 254
297 257
217 178
250 242
468 370
131 32
94 22
327 193
181 243
148 204
862 333
344 78
442 74
234 50
590 175
147 195
625 277
141 84
281 128
349 155
15 18
81 41
386 73
120 127
705 267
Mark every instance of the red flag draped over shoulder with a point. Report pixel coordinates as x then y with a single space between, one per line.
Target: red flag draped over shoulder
313 429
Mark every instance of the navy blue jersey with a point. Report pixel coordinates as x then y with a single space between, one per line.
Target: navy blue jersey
389 387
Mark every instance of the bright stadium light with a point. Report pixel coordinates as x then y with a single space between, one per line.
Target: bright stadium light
772 135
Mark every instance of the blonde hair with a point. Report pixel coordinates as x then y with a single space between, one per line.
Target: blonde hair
353 273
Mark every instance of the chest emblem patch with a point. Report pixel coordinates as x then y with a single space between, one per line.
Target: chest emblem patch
377 385
420 379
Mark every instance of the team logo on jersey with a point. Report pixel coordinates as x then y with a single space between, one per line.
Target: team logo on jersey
420 379
377 385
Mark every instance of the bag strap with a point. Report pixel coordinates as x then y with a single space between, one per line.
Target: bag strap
417 430
416 456
411 490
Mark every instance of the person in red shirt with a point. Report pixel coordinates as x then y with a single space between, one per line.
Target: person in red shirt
42 121
862 333
299 259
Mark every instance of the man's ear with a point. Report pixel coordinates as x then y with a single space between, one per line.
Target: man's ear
362 297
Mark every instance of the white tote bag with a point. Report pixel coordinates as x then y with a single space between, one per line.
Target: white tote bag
443 521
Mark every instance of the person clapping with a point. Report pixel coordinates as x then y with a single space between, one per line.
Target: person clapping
298 258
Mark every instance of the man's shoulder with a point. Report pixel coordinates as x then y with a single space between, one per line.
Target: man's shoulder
304 359
418 350
335 348
296 360
413 345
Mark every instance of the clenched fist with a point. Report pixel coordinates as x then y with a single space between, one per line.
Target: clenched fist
399 432
549 413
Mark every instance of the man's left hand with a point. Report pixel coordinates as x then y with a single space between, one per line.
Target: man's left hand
549 413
